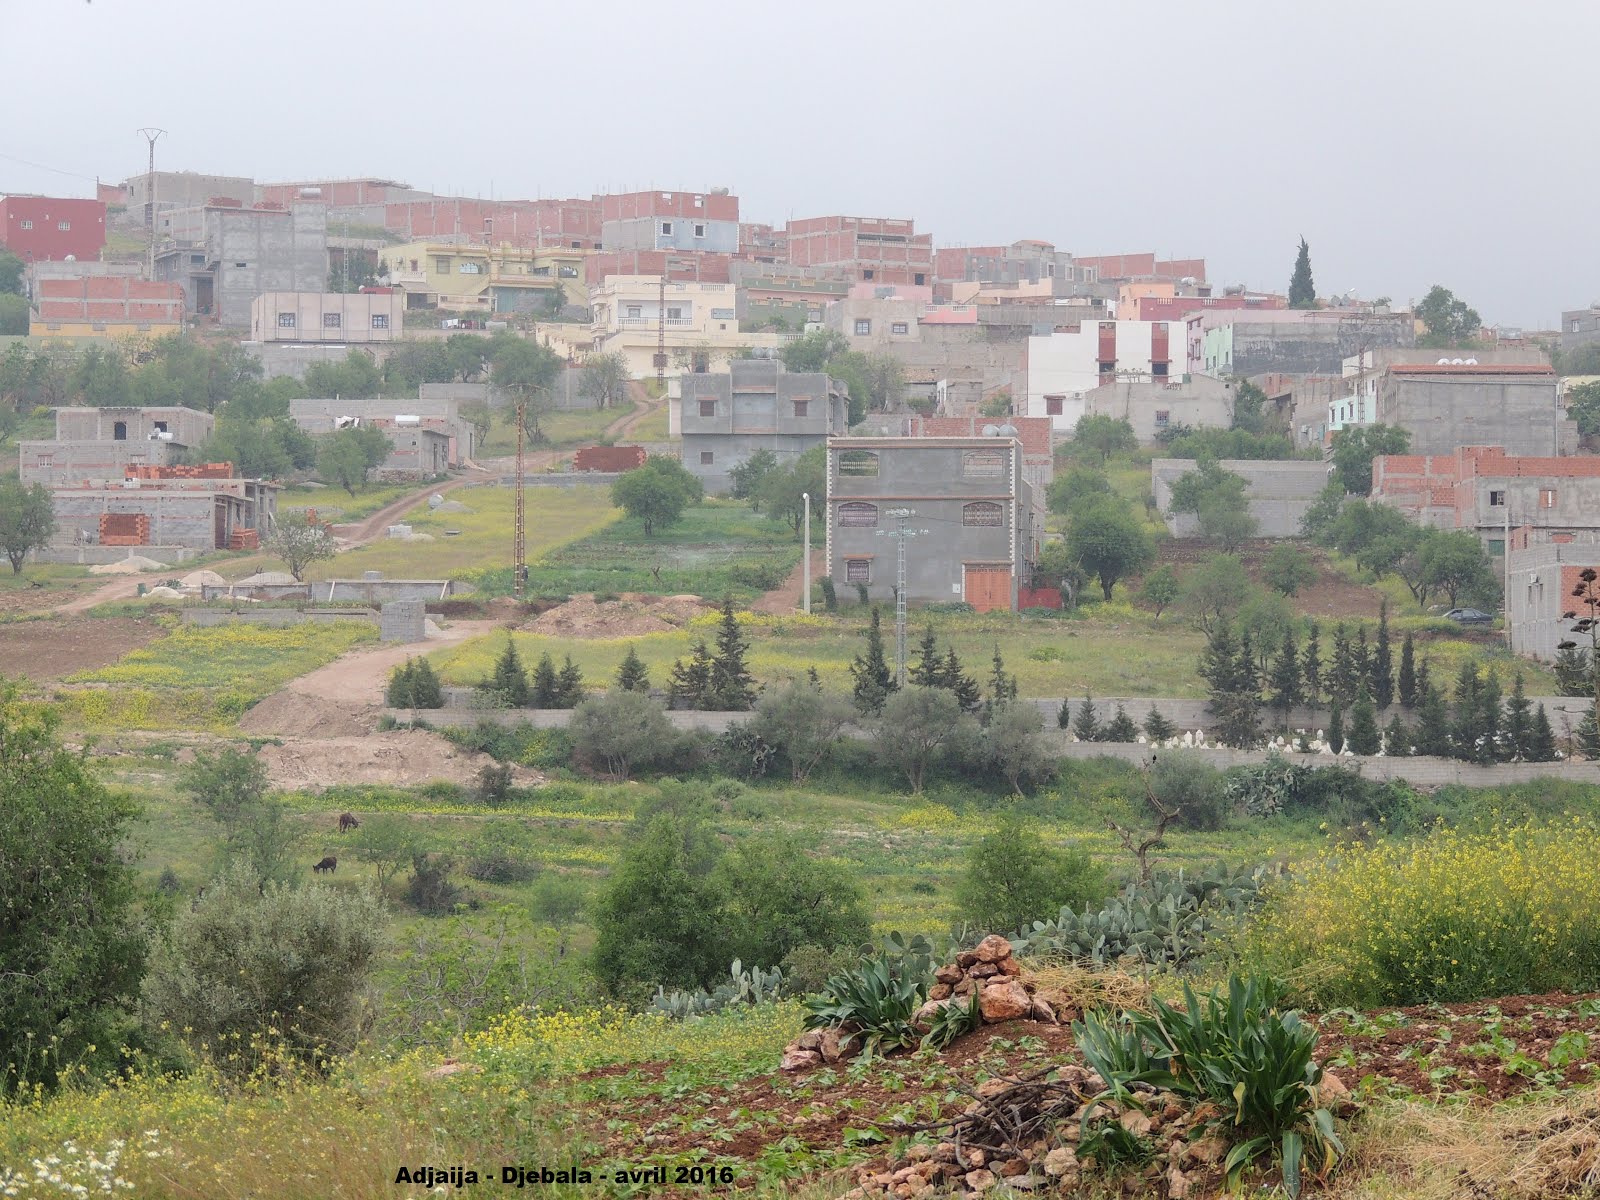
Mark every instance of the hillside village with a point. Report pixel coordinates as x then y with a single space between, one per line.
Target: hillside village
618 693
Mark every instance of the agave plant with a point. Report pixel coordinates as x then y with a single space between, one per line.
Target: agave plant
879 999
952 1021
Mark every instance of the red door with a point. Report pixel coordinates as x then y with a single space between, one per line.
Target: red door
987 587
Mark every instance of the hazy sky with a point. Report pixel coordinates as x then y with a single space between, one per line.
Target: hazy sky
1410 141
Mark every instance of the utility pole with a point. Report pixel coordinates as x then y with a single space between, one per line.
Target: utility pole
900 533
519 549
150 133
805 556
661 331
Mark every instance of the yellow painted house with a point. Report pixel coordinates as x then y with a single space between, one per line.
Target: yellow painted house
491 279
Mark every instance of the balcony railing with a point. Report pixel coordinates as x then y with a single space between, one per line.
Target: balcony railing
652 322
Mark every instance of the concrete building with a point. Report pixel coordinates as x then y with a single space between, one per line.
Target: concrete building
168 190
767 294
346 318
755 405
98 445
1121 268
865 249
499 278
225 257
698 322
1145 302
975 537
686 266
195 513
1443 406
1290 341
1028 261
1034 434
1487 490
1279 492
362 193
1541 576
1066 364
98 306
415 452
682 221
572 224
1155 407
438 408
874 316
1580 327
50 228
1354 400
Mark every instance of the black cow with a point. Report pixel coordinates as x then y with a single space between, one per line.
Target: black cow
347 822
328 864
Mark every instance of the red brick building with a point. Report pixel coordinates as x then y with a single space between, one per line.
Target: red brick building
570 224
868 249
678 266
115 299
50 228
1144 266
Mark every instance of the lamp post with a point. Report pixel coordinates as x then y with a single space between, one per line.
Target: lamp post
805 557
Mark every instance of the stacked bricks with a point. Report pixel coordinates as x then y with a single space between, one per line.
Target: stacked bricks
244 539
608 458
124 529
198 471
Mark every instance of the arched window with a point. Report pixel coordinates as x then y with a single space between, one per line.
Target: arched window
119 431
858 514
982 512
859 463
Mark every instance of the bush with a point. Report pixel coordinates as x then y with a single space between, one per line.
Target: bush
779 898
500 855
807 969
621 732
1198 792
879 998
801 722
1013 877
492 788
249 959
1455 916
430 889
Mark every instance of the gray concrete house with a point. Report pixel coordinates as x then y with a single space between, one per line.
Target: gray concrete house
1445 405
437 409
1279 492
197 514
724 419
972 532
97 445
1541 577
1155 406
225 257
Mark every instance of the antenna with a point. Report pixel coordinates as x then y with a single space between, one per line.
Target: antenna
150 134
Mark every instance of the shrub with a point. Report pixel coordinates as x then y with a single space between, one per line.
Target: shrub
620 732
249 959
1013 877
807 969
922 728
1198 792
500 855
1455 916
801 722
492 787
880 997
778 898
430 889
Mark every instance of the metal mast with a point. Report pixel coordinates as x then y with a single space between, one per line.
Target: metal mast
150 133
519 568
661 331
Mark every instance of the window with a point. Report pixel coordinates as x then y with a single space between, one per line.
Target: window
708 408
331 321
1053 405
1163 418
666 229
1497 546
982 512
857 514
1497 499
469 268
918 279
197 260
858 570
699 231
1159 370
863 327
285 320
859 463
705 458
1547 497
674 314
800 407
441 266
867 274
27 224
64 226
541 270
899 327
635 312
241 266
119 431
380 320
983 464
1108 368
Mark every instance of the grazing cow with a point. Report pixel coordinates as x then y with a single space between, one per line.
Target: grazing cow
347 822
328 864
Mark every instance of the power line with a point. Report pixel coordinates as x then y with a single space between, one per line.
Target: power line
53 170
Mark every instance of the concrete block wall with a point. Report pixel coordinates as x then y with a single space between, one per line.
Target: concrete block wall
403 621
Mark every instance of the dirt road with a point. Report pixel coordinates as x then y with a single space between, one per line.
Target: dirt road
786 597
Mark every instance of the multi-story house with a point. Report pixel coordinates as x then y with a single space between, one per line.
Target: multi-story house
225 256
865 249
52 229
962 502
499 278
1065 365
755 405
682 221
355 318
697 323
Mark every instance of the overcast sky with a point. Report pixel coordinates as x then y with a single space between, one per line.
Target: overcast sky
1412 142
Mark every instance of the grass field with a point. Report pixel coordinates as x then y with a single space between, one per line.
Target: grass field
563 430
653 428
337 505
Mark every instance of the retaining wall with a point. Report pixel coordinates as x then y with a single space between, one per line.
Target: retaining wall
275 617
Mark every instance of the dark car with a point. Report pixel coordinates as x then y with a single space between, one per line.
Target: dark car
1469 616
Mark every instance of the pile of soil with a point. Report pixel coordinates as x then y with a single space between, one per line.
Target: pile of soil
295 714
399 758
632 615
134 565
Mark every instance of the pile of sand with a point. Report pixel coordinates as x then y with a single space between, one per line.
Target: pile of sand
164 593
195 580
633 615
399 758
452 506
268 577
132 565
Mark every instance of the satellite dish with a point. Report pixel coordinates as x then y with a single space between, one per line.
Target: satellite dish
991 431
435 500
70 258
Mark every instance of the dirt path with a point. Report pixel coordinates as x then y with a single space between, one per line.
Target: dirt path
786 597
643 406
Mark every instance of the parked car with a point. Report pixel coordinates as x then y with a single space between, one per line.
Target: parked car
1469 616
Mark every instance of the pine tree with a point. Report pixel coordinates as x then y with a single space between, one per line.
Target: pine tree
508 680
1396 738
1408 673
733 688
689 684
1002 687
1336 729
632 675
1342 675
1217 661
1589 736
1064 715
1491 742
1157 728
1311 666
398 693
546 688
1433 735
1518 737
1364 738
1284 681
873 682
426 691
1238 707
1542 741
1468 712
1361 658
1572 672
1302 291
1380 678
1086 726
569 685
1121 728
968 694
927 669
1424 678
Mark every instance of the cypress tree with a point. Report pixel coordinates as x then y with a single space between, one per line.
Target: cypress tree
968 694
1064 715
569 685
1364 738
1396 738
1217 661
1086 726
1408 673
1002 687
1424 679
632 675
508 680
426 691
1361 658
1157 728
546 688
1518 739
1491 747
1433 723
1589 735
689 683
927 669
733 688
1121 728
1342 675
1336 729
1240 719
1311 667
1464 730
1572 672
1284 682
873 682
1542 741
1380 678
1302 291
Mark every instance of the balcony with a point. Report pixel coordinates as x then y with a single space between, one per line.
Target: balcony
652 322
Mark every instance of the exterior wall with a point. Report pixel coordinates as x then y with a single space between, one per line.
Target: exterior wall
186 189
501 277
671 233
438 407
1038 452
1065 365
1483 489
339 193
415 452
753 408
1541 579
679 267
573 223
292 359
626 310
1442 410
1580 327
1137 266
355 318
107 304
194 514
187 426
873 322
58 464
939 479
1152 408
49 228
243 252
870 249
1279 493
1289 341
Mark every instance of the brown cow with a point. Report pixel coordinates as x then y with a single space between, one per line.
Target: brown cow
347 822
328 864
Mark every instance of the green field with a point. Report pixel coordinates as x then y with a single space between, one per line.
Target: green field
563 430
337 505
